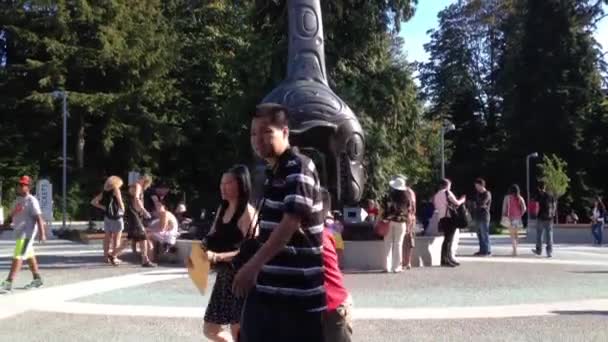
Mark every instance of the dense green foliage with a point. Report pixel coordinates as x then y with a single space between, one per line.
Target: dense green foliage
516 77
166 87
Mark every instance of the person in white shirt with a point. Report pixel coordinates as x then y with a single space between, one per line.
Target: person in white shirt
164 231
445 222
26 220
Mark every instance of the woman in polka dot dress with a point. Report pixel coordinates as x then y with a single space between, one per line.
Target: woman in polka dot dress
231 224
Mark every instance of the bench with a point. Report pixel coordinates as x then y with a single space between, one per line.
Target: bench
369 255
564 233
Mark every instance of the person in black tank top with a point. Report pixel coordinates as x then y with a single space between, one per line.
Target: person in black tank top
136 216
233 220
110 202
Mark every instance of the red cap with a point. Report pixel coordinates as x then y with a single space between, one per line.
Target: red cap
25 180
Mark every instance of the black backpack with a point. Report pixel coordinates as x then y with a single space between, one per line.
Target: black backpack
110 202
550 204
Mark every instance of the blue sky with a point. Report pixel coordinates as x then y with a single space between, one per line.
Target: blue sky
414 31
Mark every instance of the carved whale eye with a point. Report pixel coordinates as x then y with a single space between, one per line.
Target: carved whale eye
355 147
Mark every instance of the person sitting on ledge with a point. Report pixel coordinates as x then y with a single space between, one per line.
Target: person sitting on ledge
163 232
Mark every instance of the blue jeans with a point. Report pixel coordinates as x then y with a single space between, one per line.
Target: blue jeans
597 229
546 227
483 235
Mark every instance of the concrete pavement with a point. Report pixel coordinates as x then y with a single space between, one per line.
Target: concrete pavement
499 298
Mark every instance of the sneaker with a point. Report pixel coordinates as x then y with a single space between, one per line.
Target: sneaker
148 264
478 254
6 286
549 255
536 252
36 283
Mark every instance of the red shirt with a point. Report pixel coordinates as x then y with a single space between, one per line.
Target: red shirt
334 282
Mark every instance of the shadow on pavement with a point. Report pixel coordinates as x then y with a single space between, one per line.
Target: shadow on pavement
167 273
59 262
363 272
581 312
590 272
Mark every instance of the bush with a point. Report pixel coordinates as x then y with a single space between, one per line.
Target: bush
496 229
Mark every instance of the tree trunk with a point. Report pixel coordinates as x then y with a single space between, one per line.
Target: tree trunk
80 142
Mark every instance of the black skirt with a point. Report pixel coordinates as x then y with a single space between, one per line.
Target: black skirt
135 226
224 308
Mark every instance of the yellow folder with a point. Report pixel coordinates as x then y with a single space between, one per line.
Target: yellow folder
198 266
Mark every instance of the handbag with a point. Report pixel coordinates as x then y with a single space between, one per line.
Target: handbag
198 267
381 227
504 220
459 216
463 217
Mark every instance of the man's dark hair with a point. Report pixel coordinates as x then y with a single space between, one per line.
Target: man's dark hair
278 114
444 183
481 182
401 199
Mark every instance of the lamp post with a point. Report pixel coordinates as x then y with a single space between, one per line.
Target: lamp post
64 96
531 155
445 128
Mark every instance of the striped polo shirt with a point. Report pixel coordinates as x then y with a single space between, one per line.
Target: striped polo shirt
294 277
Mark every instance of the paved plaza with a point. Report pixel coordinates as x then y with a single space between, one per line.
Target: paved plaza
487 299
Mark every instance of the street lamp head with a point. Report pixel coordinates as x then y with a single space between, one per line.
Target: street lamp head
533 155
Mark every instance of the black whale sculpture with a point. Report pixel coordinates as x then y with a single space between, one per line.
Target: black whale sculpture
321 125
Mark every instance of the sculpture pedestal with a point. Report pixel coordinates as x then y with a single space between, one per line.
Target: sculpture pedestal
184 247
370 255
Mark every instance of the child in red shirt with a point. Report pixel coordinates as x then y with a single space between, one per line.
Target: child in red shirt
338 317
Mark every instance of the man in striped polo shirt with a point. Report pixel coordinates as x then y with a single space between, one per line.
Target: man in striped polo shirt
284 280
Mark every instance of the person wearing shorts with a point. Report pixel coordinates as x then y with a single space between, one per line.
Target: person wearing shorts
26 219
514 208
110 201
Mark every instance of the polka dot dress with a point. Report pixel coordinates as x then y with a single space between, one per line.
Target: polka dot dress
224 308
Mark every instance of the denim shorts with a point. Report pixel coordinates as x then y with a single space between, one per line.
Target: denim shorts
113 226
516 224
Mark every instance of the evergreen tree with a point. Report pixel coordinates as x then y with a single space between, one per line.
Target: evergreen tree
553 86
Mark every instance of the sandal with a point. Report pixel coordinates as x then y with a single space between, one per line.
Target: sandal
114 261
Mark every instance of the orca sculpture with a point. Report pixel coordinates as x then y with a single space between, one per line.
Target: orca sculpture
321 125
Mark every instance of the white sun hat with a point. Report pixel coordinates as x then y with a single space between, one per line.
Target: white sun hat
181 208
398 183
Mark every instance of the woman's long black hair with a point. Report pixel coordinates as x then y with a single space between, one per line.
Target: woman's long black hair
240 172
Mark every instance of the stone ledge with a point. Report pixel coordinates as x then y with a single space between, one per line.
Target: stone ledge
184 247
369 255
564 233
